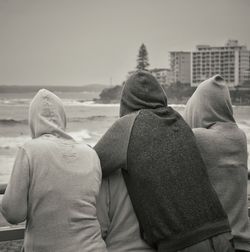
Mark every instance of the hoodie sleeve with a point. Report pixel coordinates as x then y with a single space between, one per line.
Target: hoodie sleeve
14 202
103 207
112 147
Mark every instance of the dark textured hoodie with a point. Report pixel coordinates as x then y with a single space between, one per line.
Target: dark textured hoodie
165 175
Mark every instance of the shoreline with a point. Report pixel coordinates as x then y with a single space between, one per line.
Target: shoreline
171 102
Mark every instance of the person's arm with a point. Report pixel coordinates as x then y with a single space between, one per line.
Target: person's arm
14 201
112 147
103 207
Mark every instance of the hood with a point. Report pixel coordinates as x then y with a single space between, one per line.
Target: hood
47 115
210 103
141 91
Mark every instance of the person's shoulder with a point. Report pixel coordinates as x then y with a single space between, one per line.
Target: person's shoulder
200 131
31 147
45 143
83 147
127 118
39 141
202 134
31 143
240 137
87 149
124 122
242 133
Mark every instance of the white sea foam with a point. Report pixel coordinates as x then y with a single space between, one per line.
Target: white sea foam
4 101
81 135
14 142
71 102
6 168
93 104
177 105
244 124
67 102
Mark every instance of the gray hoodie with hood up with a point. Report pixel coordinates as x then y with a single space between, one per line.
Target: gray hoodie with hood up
54 185
223 146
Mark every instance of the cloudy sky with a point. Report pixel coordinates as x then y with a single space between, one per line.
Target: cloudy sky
78 42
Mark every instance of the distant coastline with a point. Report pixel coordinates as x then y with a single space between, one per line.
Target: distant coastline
34 89
177 93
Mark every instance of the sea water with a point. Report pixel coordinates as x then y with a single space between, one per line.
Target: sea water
87 121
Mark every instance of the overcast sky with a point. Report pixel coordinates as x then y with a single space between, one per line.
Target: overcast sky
78 42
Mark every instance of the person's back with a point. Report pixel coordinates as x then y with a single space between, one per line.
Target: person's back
224 149
54 185
120 227
165 175
65 180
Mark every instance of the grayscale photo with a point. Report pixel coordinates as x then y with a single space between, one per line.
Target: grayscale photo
124 125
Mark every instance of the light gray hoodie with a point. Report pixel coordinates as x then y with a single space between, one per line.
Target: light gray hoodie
54 185
223 146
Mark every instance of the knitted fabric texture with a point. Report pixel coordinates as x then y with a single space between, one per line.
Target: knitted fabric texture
168 184
165 175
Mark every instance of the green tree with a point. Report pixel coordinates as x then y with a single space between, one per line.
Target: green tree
142 58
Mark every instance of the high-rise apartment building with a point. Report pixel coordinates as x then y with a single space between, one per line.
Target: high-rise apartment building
163 75
180 66
232 61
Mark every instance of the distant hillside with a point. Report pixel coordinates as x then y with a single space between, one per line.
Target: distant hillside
110 95
31 89
94 87
176 93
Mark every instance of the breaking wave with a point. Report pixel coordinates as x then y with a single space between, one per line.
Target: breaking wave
11 121
17 141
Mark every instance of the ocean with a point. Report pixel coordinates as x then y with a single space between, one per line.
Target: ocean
87 121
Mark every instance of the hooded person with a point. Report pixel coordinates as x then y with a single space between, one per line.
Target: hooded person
54 185
166 178
223 146
119 224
